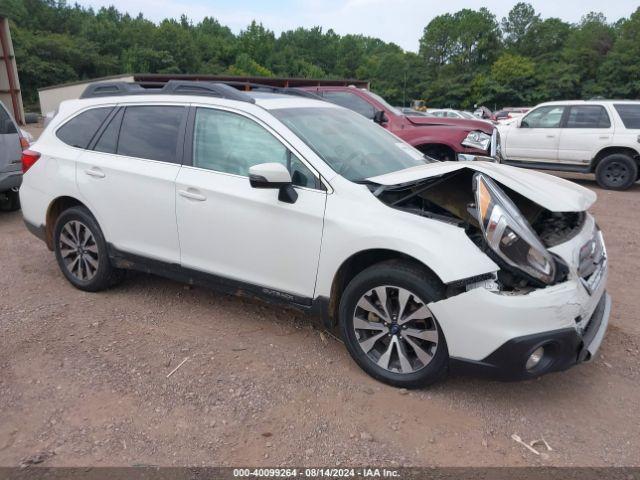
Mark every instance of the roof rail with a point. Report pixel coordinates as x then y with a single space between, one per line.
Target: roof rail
260 87
109 89
172 87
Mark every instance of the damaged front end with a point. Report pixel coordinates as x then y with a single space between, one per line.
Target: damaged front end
514 231
546 307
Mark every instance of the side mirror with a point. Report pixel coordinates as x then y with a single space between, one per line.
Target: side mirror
273 175
379 117
521 123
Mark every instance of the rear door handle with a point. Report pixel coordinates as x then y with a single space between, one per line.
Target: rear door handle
551 136
95 172
192 195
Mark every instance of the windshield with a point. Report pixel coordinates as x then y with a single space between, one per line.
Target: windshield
384 103
351 145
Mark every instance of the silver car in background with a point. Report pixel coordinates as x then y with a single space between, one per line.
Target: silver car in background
11 145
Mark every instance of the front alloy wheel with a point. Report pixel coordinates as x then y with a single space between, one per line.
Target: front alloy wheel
388 327
395 329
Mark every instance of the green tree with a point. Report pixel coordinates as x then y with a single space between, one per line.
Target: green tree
516 26
586 49
620 72
247 66
465 57
257 42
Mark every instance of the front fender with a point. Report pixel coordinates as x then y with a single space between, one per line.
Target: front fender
353 225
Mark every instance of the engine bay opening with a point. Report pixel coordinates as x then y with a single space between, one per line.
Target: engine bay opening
451 198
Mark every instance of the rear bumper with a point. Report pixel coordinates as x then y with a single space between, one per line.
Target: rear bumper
563 348
9 180
37 230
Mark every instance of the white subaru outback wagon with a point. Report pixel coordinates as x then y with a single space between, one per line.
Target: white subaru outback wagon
424 266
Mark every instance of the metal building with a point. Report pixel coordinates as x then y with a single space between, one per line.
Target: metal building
9 84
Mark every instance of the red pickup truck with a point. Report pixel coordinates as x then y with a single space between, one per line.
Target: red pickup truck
440 138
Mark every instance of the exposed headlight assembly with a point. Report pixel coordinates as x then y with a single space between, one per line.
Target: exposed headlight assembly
477 139
509 234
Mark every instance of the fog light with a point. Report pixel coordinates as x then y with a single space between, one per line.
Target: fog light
534 358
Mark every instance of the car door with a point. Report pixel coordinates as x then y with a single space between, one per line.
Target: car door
586 130
234 231
127 177
536 138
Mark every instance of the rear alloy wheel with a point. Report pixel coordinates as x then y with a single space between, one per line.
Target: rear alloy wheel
388 328
81 251
616 172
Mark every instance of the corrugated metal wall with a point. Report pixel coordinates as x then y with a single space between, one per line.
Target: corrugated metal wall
10 94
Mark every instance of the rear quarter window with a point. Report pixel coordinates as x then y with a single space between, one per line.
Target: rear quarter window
629 114
6 124
79 131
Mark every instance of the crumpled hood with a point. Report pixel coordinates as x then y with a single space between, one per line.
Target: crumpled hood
452 122
553 193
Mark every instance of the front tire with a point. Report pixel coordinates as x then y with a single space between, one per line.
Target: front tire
389 330
616 172
439 152
81 251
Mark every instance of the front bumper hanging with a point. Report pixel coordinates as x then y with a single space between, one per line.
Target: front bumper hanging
563 348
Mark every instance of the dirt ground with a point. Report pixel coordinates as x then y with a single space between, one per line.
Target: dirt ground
84 377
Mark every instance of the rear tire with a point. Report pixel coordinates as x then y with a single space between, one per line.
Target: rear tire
9 201
81 251
400 343
616 172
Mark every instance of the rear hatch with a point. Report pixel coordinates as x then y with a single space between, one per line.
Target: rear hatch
10 148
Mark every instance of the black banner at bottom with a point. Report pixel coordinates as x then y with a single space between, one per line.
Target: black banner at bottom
368 473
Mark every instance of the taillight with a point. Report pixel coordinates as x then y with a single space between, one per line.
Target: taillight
29 157
24 143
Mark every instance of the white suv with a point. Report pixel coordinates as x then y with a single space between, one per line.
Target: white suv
601 137
422 265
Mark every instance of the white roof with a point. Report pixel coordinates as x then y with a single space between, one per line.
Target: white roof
587 102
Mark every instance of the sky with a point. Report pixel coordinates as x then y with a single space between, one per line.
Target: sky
398 21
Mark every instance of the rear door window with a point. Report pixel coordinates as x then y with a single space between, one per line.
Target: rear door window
588 116
79 131
629 114
352 102
151 132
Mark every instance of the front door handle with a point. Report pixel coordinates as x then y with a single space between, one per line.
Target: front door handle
551 136
192 195
95 172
